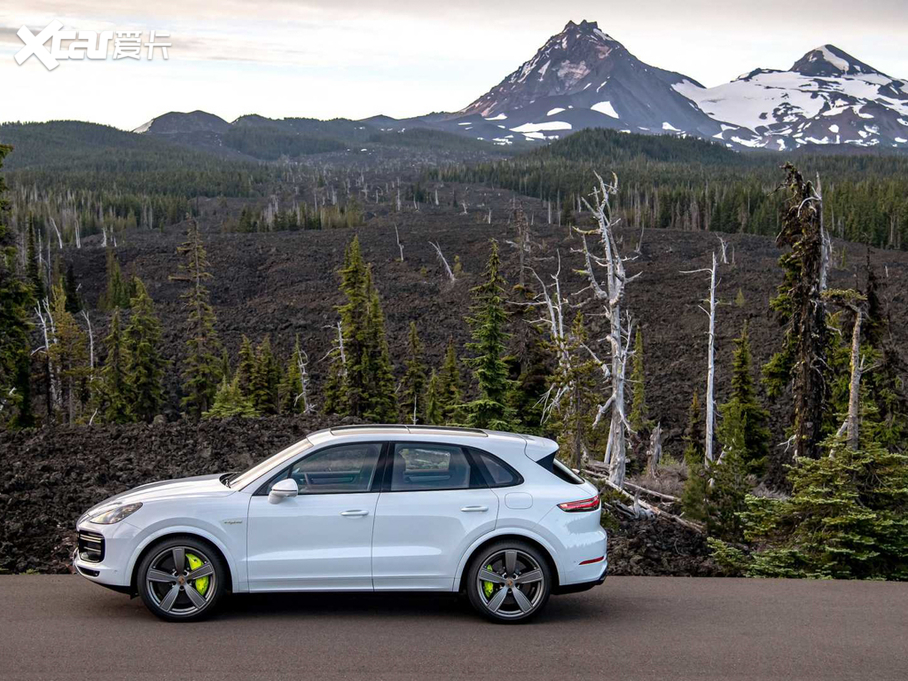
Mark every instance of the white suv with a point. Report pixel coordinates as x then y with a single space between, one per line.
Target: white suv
359 508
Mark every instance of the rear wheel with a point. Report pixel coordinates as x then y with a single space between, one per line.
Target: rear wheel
509 581
181 579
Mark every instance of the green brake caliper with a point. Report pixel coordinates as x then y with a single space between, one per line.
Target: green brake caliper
488 587
201 584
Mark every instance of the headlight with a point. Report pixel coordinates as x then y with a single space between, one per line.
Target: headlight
115 514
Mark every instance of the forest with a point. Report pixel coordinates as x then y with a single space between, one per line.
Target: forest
553 342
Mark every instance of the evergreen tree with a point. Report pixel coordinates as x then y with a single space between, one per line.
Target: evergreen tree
799 304
118 290
71 287
743 429
694 451
265 381
576 377
145 365
335 391
450 388
202 367
530 367
414 385
489 345
846 518
115 394
16 300
68 358
246 366
639 417
381 398
435 414
32 270
230 401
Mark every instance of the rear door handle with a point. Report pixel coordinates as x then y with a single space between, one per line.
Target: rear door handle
475 509
354 514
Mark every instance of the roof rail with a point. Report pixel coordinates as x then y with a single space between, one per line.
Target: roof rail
411 428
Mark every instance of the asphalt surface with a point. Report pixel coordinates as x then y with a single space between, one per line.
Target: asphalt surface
56 627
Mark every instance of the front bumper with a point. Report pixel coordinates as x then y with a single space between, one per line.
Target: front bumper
112 570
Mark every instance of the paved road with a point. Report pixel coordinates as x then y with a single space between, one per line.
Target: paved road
56 627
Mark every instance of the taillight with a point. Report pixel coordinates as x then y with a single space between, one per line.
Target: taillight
591 504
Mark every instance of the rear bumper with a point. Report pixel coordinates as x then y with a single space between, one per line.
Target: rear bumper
580 586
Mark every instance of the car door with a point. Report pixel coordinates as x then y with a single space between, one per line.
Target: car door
320 539
434 504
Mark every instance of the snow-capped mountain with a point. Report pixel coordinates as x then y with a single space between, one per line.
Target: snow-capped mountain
582 78
826 97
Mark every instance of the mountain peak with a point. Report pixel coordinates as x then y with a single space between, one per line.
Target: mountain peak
829 61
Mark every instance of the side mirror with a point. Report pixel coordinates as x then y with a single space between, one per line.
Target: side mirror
282 490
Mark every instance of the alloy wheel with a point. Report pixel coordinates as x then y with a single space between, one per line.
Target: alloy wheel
181 580
510 584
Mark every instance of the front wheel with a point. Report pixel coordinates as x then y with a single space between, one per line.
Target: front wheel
181 579
509 581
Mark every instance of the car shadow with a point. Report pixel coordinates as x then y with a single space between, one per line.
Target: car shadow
385 605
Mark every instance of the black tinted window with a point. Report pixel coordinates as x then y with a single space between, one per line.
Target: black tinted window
498 472
419 466
347 468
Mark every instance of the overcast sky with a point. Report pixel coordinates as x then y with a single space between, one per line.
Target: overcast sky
356 58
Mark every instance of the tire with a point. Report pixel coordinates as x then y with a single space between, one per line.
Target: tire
165 580
521 585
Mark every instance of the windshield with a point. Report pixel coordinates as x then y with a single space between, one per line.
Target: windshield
275 461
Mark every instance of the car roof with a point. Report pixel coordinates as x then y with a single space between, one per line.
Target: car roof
534 447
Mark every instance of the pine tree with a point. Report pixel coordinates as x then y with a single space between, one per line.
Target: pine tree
71 287
489 345
576 411
846 518
145 365
246 366
381 399
265 381
434 412
802 360
450 388
115 394
743 428
414 385
354 315
32 271
529 367
693 435
68 358
16 299
202 368
117 294
639 417
230 401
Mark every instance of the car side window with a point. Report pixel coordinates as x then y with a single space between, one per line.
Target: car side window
498 472
346 468
418 466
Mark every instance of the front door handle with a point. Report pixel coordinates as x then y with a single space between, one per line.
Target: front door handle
475 509
354 514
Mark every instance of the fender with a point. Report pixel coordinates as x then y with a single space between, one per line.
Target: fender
506 532
239 584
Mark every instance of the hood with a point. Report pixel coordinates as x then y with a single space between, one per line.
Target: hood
194 487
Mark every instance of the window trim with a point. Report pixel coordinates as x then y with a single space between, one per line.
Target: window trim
490 483
377 477
389 468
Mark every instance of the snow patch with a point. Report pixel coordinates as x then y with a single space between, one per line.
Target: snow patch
499 117
556 110
545 125
833 128
668 126
605 108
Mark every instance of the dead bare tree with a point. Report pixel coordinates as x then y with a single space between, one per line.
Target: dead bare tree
59 236
302 362
400 246
611 295
444 262
711 359
654 452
